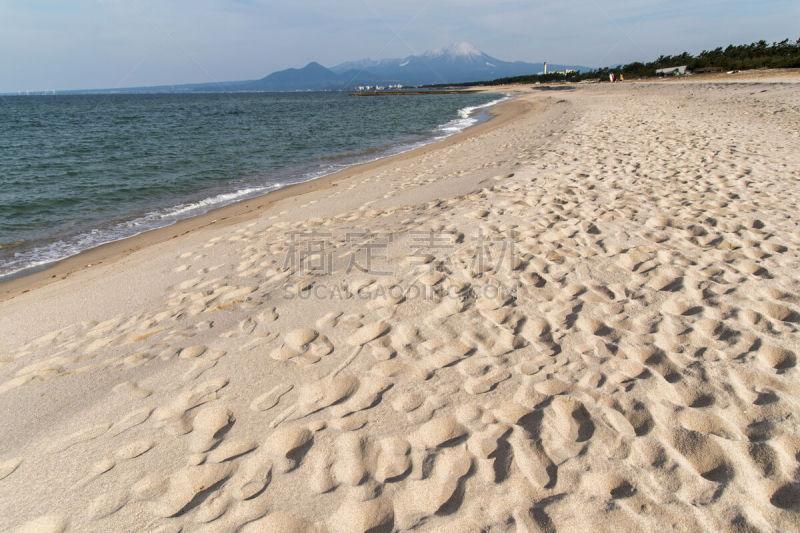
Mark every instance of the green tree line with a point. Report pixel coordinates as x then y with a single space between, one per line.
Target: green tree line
785 54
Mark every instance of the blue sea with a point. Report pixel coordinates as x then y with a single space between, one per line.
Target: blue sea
77 171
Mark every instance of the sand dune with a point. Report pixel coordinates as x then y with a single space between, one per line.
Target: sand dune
584 319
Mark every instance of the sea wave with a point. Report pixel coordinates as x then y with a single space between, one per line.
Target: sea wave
184 210
467 116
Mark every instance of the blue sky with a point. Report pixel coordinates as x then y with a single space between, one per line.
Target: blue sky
74 44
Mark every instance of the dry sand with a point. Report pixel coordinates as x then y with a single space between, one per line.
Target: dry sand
584 316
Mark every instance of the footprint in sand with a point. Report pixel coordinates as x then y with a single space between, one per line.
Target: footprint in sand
134 449
252 476
8 466
107 504
188 485
270 399
44 524
287 445
207 426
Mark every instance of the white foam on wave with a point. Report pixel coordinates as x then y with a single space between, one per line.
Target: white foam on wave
467 116
220 199
63 249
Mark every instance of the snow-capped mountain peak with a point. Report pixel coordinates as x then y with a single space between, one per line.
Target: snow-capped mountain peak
462 49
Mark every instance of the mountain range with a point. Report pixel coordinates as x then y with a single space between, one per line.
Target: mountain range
458 63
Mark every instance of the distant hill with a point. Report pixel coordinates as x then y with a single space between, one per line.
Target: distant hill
313 76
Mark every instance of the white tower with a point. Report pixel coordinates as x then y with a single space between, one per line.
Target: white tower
545 67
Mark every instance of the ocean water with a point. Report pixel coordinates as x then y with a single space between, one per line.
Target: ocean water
77 171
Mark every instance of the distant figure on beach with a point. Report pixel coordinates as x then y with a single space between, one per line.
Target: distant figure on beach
611 77
621 77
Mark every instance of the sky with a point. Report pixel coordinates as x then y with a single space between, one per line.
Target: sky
82 44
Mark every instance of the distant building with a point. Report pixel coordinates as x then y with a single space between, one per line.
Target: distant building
672 71
363 88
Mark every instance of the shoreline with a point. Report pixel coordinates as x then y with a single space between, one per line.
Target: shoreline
240 210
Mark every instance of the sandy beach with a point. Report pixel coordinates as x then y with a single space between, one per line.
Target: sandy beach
580 315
